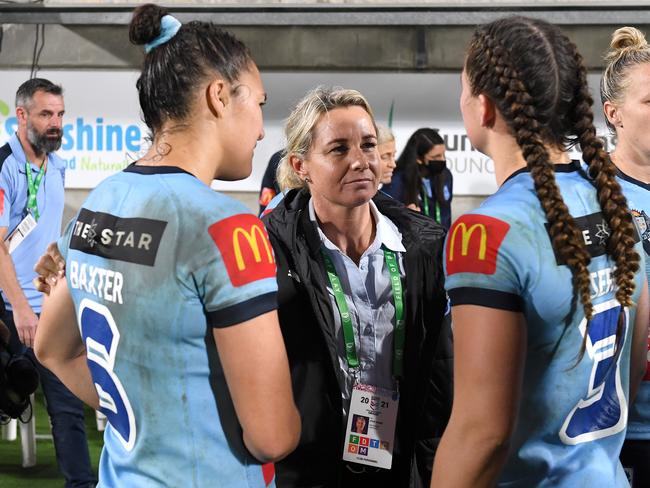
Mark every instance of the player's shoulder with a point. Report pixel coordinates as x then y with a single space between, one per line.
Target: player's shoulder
515 205
208 206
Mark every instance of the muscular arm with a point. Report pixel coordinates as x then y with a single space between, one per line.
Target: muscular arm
489 353
24 317
59 347
639 360
256 368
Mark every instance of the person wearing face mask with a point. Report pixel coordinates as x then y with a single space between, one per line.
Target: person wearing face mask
422 180
362 306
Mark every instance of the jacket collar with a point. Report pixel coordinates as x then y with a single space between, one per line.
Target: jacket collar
413 226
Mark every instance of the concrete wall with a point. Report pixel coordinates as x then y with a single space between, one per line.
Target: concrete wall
488 3
307 48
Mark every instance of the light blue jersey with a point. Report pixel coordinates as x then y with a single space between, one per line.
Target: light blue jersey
572 416
154 261
638 199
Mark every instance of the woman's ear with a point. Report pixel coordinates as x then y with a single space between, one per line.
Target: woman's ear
218 97
613 114
299 166
488 113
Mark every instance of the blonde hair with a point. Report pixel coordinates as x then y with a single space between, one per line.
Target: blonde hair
384 135
302 121
628 49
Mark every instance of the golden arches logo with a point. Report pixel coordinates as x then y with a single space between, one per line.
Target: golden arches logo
466 235
253 237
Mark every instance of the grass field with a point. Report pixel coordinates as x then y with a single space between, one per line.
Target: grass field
46 473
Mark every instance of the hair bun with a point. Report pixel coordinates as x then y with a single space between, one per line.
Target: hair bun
145 24
625 39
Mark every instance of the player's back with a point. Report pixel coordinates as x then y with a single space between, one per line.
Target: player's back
573 410
149 280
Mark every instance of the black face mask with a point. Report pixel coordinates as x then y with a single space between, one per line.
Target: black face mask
436 165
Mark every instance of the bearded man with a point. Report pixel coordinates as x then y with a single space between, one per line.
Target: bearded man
31 209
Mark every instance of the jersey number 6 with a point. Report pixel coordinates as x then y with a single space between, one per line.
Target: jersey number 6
603 412
101 337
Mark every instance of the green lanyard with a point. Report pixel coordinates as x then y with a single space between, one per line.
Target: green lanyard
32 188
425 200
399 336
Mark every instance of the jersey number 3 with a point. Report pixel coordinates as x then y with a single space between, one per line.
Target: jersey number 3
603 412
101 337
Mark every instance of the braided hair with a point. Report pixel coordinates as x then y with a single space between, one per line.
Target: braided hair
536 78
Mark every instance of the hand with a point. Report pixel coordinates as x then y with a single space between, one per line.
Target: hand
26 322
413 206
50 267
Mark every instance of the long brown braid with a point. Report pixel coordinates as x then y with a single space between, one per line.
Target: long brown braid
524 67
613 204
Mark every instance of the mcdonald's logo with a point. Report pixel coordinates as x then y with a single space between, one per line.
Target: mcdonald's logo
245 248
473 244
253 238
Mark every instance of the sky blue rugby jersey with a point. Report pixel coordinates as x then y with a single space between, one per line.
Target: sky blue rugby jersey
638 199
154 260
572 416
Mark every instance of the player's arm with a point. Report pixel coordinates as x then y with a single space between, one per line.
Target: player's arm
256 368
24 317
59 347
489 354
639 360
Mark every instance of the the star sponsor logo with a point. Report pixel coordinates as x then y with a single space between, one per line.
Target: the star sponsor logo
602 233
135 240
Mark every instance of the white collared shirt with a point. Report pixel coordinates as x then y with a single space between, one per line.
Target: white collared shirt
369 296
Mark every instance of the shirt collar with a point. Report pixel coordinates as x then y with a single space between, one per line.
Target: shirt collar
386 232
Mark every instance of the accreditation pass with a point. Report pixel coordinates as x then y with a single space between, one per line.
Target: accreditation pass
370 431
26 226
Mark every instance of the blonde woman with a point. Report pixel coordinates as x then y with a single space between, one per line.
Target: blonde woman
625 93
345 256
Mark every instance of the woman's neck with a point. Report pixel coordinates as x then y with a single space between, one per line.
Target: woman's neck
632 162
182 148
352 230
508 158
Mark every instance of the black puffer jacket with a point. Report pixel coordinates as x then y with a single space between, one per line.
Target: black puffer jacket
307 322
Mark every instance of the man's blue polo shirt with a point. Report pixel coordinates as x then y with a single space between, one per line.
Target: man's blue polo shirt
13 204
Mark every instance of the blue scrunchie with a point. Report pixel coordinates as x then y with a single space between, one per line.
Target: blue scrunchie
168 28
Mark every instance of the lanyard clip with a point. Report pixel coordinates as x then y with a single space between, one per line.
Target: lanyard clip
354 373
